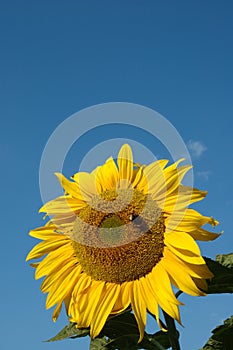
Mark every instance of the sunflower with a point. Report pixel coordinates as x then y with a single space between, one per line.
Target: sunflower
122 236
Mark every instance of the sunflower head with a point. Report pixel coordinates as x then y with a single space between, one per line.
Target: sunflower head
122 236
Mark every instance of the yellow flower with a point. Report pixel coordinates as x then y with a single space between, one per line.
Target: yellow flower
122 236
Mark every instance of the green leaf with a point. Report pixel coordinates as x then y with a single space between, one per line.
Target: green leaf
70 331
124 323
222 282
127 342
121 332
99 344
158 341
225 259
222 338
162 338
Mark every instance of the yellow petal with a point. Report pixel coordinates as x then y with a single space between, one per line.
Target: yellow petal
150 176
125 165
35 265
123 299
139 180
83 283
188 221
54 260
53 280
170 169
127 292
86 303
169 182
88 184
57 311
200 283
181 278
63 204
161 286
187 256
70 187
139 308
59 291
149 298
198 271
181 198
44 232
47 246
109 296
64 220
107 175
167 175
203 235
183 241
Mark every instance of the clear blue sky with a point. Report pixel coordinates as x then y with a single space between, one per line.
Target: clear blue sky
58 57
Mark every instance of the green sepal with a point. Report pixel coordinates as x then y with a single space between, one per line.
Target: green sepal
70 331
222 338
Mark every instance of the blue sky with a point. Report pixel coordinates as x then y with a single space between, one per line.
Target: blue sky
59 57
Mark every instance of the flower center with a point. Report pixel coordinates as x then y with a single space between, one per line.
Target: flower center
119 236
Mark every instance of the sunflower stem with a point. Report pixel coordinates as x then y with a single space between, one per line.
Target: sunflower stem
173 334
